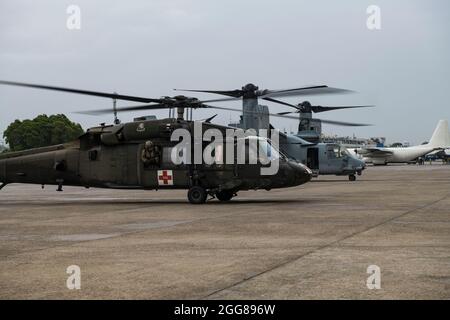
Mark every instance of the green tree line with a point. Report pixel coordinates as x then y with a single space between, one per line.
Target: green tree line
3 148
41 131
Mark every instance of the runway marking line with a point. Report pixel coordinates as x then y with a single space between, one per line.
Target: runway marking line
328 245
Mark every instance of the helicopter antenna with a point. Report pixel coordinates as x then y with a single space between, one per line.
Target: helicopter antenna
180 113
116 120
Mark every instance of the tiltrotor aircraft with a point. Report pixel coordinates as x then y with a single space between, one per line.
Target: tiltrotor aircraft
305 146
137 155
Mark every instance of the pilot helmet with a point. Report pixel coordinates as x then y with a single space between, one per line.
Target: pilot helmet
148 145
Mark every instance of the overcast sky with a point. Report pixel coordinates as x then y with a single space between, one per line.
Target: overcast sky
149 47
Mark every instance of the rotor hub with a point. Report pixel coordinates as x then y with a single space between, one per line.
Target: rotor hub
249 91
305 106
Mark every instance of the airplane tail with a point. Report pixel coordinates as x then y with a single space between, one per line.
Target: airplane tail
441 136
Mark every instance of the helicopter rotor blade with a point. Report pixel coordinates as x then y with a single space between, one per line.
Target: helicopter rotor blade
165 106
154 107
125 109
157 106
84 92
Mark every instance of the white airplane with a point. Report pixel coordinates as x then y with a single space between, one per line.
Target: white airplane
382 156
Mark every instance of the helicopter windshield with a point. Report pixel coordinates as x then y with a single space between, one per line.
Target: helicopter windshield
267 151
344 151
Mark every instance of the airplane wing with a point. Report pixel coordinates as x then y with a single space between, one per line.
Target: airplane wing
436 150
375 152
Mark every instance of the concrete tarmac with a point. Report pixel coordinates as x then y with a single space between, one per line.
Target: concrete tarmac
310 242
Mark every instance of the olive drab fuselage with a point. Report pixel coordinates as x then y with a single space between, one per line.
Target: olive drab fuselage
137 155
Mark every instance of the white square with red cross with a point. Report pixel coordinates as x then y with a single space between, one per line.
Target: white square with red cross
165 178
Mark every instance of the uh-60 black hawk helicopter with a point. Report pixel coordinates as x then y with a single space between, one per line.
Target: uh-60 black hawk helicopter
138 155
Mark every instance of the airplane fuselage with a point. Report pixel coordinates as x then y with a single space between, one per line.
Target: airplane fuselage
396 155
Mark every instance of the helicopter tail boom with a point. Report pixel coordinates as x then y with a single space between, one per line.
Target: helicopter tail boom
2 174
47 165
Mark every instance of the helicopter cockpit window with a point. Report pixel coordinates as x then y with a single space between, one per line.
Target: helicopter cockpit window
344 152
337 151
267 152
334 151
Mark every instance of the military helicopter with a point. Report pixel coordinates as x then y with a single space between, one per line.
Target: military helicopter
305 146
323 158
138 155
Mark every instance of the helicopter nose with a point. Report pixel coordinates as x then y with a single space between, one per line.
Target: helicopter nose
302 173
360 164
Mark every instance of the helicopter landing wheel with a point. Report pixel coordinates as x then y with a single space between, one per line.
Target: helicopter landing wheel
197 195
224 195
352 177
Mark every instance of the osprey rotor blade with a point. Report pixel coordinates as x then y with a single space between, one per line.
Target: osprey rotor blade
231 93
285 113
220 100
318 109
84 92
338 123
208 120
282 102
312 90
345 124
253 91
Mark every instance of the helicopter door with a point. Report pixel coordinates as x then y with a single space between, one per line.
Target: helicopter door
107 166
334 160
312 159
156 170
246 171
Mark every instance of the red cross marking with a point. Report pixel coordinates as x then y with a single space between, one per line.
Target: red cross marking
165 177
